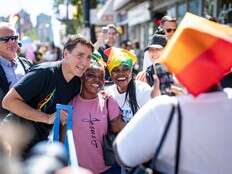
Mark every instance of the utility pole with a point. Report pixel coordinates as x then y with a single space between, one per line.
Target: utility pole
86 13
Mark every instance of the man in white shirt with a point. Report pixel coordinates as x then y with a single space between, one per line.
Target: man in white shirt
206 127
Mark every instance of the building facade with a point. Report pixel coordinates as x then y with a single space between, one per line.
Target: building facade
139 18
44 28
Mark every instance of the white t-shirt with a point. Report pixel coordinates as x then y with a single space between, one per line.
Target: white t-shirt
206 134
146 60
143 94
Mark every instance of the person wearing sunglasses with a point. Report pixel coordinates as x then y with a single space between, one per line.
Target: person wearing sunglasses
169 25
12 67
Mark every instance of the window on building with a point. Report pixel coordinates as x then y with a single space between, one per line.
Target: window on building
171 11
181 10
193 6
209 6
225 12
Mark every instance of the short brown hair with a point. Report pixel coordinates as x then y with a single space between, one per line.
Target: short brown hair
167 18
73 40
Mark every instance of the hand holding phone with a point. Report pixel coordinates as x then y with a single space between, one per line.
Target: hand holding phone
104 30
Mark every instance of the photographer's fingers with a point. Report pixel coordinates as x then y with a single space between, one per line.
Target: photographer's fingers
156 87
177 90
142 76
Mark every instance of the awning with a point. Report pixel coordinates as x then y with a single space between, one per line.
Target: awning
119 4
105 19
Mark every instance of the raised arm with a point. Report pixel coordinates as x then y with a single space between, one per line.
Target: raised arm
156 87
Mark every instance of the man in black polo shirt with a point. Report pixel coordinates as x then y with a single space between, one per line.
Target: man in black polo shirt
35 96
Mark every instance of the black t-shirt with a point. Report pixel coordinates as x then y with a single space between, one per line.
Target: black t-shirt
42 88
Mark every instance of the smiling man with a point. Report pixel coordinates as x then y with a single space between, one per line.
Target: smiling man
35 97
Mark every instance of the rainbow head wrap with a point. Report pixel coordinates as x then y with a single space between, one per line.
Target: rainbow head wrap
119 56
96 56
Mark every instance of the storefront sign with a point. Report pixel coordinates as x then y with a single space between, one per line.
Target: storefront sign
106 18
139 14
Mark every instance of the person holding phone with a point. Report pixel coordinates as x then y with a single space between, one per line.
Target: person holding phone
165 78
107 39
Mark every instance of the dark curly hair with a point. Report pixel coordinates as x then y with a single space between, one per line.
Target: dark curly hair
131 92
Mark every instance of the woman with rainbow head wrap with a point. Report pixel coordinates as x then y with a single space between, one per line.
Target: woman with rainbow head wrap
91 110
129 93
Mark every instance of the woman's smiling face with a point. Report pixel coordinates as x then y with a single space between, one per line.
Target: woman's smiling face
93 81
121 76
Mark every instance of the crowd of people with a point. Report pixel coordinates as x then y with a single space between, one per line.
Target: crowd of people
99 82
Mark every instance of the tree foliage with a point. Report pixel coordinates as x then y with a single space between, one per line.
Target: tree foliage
72 25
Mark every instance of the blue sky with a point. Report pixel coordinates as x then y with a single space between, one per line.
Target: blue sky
34 7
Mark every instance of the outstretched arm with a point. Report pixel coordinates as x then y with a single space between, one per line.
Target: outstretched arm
13 102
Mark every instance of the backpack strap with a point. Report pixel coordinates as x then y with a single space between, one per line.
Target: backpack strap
25 63
164 135
107 108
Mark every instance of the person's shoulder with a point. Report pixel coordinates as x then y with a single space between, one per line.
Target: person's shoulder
107 99
163 100
75 100
141 85
111 99
228 91
25 60
46 66
159 105
110 88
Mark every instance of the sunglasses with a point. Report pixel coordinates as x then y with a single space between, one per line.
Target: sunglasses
6 39
169 30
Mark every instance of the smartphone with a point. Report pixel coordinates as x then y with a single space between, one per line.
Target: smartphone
104 29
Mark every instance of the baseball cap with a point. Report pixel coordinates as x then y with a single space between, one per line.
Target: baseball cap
157 41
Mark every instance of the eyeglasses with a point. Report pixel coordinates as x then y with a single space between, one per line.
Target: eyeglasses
169 30
6 39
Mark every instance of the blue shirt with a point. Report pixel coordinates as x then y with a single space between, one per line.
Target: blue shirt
13 70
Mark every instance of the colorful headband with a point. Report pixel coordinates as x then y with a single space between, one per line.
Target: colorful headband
96 56
119 56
